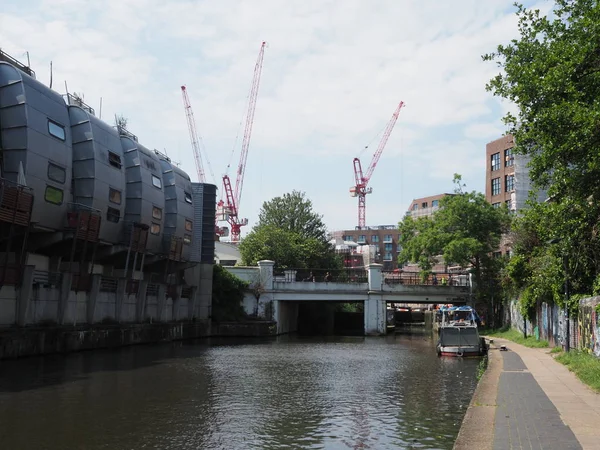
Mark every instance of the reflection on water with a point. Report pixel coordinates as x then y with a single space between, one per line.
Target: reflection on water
338 392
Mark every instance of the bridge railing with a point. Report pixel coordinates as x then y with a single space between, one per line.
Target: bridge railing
434 279
349 275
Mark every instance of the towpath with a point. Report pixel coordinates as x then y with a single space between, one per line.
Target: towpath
527 400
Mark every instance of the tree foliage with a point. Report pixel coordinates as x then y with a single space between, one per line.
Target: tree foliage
293 212
227 296
290 233
465 231
552 74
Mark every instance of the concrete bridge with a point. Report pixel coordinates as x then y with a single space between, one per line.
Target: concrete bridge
279 297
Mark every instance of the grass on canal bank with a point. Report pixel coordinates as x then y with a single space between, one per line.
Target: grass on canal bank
585 366
516 336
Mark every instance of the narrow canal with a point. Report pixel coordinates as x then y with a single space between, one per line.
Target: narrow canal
309 393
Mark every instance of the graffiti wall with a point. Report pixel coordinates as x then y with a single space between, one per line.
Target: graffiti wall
588 327
550 324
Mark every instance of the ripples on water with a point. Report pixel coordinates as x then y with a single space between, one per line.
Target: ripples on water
289 393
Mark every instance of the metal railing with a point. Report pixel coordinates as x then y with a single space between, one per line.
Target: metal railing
108 284
350 275
47 279
434 279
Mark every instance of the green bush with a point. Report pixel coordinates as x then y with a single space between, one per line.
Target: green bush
227 296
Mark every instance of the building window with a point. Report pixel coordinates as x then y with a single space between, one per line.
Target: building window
496 205
415 207
188 225
149 164
53 195
114 196
508 157
495 161
374 239
114 160
509 182
113 215
509 204
497 254
387 257
362 239
56 173
388 247
188 197
156 213
156 182
154 228
435 203
387 238
496 186
56 130
424 205
187 239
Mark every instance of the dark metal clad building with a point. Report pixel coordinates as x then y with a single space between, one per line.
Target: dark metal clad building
145 197
179 211
36 143
98 173
84 207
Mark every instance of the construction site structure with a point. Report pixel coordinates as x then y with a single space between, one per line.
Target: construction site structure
228 209
189 115
361 189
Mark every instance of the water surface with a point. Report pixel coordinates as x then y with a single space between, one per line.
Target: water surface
286 393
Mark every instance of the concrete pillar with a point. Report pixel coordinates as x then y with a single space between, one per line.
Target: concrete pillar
176 302
24 295
375 277
93 298
141 300
265 269
375 315
119 298
161 296
192 302
204 296
63 299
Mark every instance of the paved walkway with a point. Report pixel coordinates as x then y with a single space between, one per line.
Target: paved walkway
526 400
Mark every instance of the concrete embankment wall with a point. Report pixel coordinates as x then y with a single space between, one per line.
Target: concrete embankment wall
18 342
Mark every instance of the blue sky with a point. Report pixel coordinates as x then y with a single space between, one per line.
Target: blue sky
334 71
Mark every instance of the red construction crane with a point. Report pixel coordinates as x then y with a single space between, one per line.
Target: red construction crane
229 209
189 114
360 189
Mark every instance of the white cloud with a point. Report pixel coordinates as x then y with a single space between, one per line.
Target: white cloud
333 73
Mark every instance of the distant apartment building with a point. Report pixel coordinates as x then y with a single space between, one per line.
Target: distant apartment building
382 239
507 179
425 207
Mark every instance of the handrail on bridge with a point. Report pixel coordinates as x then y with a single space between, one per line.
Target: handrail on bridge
433 279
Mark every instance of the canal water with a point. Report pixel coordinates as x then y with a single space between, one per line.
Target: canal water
284 393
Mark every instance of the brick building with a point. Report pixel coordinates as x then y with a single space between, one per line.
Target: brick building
500 171
426 206
384 239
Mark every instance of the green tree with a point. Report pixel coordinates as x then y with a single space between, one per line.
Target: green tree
290 233
293 212
552 74
466 231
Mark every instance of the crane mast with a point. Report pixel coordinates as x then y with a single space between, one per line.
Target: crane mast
189 114
229 211
360 188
